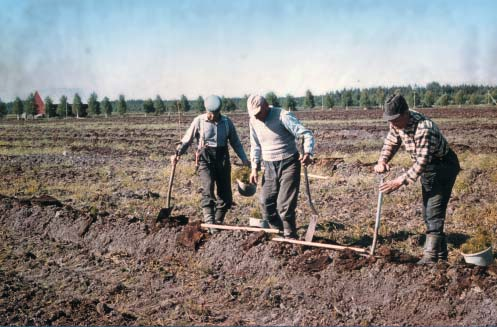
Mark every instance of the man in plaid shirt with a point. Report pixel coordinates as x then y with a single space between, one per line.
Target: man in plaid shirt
433 161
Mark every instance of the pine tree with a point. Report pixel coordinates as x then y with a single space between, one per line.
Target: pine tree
62 107
459 98
148 106
443 100
30 106
290 103
242 103
272 99
428 99
93 105
309 100
18 108
159 106
199 104
473 99
184 104
364 99
49 107
229 105
121 105
3 109
76 105
328 101
346 98
380 97
106 107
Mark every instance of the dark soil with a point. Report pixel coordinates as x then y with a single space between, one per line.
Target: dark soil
119 272
80 243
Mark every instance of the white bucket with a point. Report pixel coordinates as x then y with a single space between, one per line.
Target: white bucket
483 258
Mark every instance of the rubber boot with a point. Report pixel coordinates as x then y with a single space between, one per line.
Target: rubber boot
220 214
443 253
209 218
289 230
431 249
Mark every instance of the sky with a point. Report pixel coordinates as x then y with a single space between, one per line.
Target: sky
235 47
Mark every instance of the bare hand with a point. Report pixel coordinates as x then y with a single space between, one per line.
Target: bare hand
392 185
253 176
381 167
305 159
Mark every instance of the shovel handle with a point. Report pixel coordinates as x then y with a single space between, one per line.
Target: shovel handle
307 187
171 178
377 219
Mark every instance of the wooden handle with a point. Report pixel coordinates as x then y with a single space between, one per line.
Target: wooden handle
245 228
319 245
171 178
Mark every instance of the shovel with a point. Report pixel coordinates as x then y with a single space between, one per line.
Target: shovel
309 234
166 212
378 215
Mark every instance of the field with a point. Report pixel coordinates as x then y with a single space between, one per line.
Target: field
79 243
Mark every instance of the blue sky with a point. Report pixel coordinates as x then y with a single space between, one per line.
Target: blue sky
201 47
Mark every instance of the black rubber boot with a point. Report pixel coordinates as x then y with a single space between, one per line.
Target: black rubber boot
209 218
431 249
220 214
443 253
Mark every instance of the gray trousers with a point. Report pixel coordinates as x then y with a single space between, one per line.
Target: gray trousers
215 178
280 190
437 182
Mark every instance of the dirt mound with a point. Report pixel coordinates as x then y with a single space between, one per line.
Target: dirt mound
64 266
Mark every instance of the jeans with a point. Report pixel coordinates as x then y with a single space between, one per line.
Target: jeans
437 182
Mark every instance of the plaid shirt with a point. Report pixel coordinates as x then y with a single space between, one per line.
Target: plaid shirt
422 140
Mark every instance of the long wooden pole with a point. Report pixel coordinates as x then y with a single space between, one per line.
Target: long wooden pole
245 228
319 245
285 240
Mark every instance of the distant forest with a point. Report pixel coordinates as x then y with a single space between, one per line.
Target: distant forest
431 95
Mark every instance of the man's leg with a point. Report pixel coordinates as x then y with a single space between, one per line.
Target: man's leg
269 196
436 188
223 191
288 195
208 198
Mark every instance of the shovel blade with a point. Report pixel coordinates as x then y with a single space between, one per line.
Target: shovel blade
164 213
309 234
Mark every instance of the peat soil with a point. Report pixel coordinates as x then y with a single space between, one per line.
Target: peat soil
78 255
61 266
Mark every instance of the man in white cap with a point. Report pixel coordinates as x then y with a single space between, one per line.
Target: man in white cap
213 131
273 134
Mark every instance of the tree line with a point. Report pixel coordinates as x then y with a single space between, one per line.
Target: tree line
433 94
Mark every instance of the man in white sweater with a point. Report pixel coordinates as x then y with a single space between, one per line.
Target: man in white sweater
273 134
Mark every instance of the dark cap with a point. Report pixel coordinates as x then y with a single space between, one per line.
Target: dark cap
394 107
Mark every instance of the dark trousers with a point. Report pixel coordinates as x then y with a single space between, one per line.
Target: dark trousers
280 190
215 171
437 182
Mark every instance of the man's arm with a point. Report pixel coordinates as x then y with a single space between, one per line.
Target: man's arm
190 133
235 142
255 154
294 126
390 146
255 148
